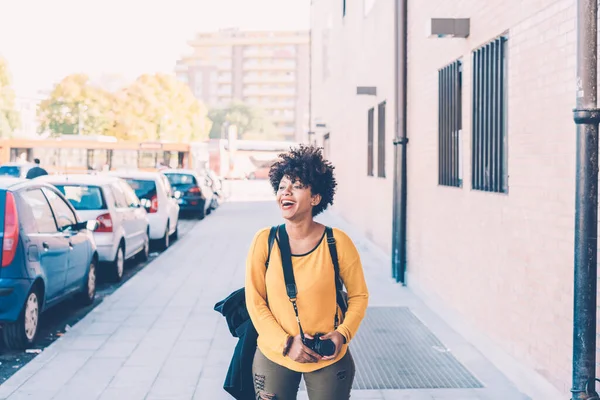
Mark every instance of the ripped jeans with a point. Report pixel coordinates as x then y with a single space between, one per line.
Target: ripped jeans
274 382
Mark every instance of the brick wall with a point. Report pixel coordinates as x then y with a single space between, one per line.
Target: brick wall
504 261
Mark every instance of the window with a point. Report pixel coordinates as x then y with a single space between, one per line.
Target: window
130 197
489 161
40 209
181 179
381 140
144 189
83 198
326 146
62 212
370 133
120 200
450 124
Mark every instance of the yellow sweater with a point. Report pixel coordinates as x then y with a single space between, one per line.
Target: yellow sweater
316 300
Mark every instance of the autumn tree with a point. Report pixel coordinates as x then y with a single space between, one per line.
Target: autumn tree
153 107
75 106
160 107
251 122
9 117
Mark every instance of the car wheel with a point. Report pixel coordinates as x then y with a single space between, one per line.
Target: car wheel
22 333
201 213
164 241
118 266
145 253
88 293
175 235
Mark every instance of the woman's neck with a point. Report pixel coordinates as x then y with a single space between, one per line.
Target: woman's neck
302 229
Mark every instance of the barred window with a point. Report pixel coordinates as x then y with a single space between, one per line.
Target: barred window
381 140
370 134
450 124
489 161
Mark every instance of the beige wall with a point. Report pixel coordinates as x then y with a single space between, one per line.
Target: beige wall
504 261
360 54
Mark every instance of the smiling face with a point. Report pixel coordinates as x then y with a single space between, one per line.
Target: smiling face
295 200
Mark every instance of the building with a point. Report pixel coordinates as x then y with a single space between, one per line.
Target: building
268 70
27 109
490 159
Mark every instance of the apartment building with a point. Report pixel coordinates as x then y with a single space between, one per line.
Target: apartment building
269 70
490 158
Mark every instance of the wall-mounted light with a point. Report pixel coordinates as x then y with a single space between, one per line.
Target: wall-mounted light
366 90
449 27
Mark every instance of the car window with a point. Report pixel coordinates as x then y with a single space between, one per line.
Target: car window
120 200
40 210
144 189
83 197
130 196
10 170
63 214
181 179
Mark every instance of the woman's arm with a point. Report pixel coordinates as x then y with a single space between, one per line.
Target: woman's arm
256 295
352 275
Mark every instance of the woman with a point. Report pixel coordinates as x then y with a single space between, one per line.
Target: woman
305 186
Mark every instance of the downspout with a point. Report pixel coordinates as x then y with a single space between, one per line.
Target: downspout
586 116
400 143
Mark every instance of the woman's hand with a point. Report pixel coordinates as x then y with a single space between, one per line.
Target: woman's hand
300 353
338 340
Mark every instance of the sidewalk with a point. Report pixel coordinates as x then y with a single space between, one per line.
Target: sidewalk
157 337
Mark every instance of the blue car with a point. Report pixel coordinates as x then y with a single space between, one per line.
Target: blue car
48 255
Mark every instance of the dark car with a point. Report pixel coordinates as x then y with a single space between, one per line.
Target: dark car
191 191
48 255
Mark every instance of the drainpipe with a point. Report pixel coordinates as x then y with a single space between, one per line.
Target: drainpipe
400 144
587 117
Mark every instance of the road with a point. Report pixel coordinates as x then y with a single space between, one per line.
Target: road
58 319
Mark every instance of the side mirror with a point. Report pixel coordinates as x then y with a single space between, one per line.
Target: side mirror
92 225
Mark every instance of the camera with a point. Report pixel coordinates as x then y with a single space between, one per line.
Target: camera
321 347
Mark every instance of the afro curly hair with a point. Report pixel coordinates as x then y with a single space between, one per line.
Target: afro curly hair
306 164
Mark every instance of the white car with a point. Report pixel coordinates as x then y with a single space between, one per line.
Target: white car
156 195
124 226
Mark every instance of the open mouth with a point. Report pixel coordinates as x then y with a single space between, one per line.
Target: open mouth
287 204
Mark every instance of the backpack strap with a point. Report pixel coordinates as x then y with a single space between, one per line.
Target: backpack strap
272 235
339 284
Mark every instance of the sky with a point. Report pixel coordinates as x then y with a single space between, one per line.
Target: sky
45 40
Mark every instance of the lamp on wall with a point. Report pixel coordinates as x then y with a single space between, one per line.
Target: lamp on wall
448 27
366 90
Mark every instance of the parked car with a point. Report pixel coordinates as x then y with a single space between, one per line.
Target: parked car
48 255
156 195
191 191
215 182
15 170
124 228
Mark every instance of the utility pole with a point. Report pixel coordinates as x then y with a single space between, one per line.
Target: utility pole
587 117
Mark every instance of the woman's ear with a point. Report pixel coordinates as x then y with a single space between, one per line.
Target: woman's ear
316 199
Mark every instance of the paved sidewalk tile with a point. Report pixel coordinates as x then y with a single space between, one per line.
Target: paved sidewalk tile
157 337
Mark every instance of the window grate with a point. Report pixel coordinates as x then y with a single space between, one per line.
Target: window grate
381 140
489 159
370 134
450 124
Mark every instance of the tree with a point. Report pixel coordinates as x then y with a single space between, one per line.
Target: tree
153 107
75 106
160 107
9 117
251 122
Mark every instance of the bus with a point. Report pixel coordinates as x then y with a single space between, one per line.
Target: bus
81 154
